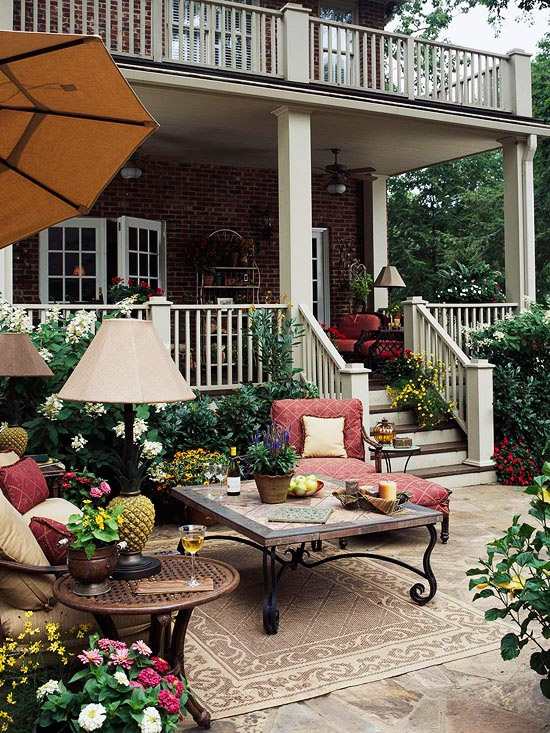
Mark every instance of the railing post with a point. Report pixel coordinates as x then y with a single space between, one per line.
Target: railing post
157 8
409 67
160 309
295 28
517 83
479 412
410 321
355 385
6 16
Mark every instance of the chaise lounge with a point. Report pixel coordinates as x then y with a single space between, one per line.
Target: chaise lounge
288 414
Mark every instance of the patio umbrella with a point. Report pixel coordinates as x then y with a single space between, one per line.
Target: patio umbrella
68 122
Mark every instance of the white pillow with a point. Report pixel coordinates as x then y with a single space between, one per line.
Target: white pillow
323 437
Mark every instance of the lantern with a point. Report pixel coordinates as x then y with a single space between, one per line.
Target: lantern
384 432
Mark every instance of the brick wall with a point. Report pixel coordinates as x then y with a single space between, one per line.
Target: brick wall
196 200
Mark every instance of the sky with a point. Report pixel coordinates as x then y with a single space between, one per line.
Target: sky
472 29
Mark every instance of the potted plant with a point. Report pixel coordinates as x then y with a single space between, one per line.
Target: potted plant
360 284
272 461
93 551
122 689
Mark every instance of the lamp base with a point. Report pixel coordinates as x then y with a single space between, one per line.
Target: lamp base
134 565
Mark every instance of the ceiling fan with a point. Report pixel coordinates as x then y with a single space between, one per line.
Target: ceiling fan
340 174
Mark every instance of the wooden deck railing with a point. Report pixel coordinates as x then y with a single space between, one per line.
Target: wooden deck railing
237 37
458 318
38 313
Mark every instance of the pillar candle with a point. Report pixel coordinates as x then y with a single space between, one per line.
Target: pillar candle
387 490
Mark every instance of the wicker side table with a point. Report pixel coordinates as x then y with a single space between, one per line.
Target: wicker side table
164 641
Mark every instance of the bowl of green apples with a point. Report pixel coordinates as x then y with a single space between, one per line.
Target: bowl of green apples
304 486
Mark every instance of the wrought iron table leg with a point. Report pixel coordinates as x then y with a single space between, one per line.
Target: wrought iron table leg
177 660
317 545
418 589
270 606
407 463
388 463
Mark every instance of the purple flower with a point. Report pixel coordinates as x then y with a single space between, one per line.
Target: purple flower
121 658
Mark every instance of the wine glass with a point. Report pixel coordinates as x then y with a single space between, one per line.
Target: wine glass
209 473
221 469
192 537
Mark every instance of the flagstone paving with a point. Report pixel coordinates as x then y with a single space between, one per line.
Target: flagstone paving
481 693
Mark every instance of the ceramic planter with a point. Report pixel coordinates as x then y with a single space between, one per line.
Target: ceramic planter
273 489
91 576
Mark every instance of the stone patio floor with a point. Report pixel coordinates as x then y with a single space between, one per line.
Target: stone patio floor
481 693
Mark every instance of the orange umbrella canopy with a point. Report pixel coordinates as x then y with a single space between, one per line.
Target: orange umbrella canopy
68 122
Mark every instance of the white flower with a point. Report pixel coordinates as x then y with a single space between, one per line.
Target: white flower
46 355
121 678
125 305
51 407
151 449
151 722
140 427
161 406
157 473
78 442
14 318
53 315
499 335
92 716
94 408
82 324
48 688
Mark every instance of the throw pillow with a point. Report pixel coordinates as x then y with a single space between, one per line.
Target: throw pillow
48 532
24 485
323 437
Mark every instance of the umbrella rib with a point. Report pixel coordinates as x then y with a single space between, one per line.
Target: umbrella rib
79 207
47 49
80 116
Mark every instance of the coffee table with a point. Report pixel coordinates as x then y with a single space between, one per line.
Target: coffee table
249 518
165 642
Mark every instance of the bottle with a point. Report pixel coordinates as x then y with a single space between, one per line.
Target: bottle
233 474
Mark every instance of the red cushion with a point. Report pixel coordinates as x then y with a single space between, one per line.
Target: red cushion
345 345
353 324
338 468
365 346
48 532
288 414
24 485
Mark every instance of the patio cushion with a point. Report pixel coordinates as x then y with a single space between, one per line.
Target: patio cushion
422 492
346 346
324 436
288 415
24 485
353 324
338 468
48 533
56 508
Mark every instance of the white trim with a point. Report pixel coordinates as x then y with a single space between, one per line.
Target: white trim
323 294
123 257
6 273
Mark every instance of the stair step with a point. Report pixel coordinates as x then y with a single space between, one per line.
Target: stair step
396 415
448 432
457 475
433 455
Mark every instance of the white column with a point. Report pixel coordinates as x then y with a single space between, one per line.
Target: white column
6 15
518 89
295 61
355 385
519 220
6 273
294 155
375 224
159 308
410 322
479 413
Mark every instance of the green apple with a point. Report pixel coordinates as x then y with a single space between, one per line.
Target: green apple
311 484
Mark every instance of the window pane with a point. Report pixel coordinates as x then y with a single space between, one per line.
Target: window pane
153 266
143 240
153 241
88 289
132 265
88 239
143 266
72 290
55 288
153 282
72 239
132 238
88 263
72 262
55 263
55 238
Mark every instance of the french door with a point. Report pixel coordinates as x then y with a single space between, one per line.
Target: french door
141 251
320 275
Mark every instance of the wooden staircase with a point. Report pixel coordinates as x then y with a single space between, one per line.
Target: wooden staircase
443 449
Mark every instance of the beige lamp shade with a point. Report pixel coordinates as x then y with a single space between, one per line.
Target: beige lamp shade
126 362
389 277
19 357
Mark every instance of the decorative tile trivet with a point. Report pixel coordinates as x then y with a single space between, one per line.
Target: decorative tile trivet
302 514
152 587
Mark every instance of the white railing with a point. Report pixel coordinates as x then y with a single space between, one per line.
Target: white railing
212 345
38 313
458 318
224 35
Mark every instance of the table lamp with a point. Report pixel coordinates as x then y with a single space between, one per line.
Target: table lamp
127 363
389 277
18 358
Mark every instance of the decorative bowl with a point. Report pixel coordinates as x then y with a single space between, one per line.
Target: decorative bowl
292 495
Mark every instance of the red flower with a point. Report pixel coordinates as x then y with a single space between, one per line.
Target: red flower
70 474
159 291
169 702
176 683
148 677
117 280
161 665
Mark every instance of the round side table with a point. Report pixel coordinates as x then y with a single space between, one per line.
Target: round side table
164 641
388 452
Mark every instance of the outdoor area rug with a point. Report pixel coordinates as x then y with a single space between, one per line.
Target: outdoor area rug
343 624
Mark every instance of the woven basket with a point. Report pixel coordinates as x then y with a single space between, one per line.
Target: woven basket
365 499
273 489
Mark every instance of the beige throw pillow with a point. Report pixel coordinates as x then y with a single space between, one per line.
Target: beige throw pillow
324 437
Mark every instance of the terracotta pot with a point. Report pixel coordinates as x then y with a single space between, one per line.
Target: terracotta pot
91 575
273 489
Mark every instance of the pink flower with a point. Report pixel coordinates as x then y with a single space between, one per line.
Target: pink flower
135 683
141 648
169 702
176 683
107 644
95 492
91 656
121 658
148 677
161 665
104 488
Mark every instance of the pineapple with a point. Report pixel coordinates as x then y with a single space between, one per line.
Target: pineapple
139 519
14 439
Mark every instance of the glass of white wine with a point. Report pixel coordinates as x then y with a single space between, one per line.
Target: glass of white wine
192 537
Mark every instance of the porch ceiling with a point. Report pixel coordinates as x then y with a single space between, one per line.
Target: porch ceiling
222 129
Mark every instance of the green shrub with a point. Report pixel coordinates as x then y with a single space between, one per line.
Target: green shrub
470 283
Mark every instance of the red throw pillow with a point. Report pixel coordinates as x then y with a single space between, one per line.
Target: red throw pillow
48 532
24 485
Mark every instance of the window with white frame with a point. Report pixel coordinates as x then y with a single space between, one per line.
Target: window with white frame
75 266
